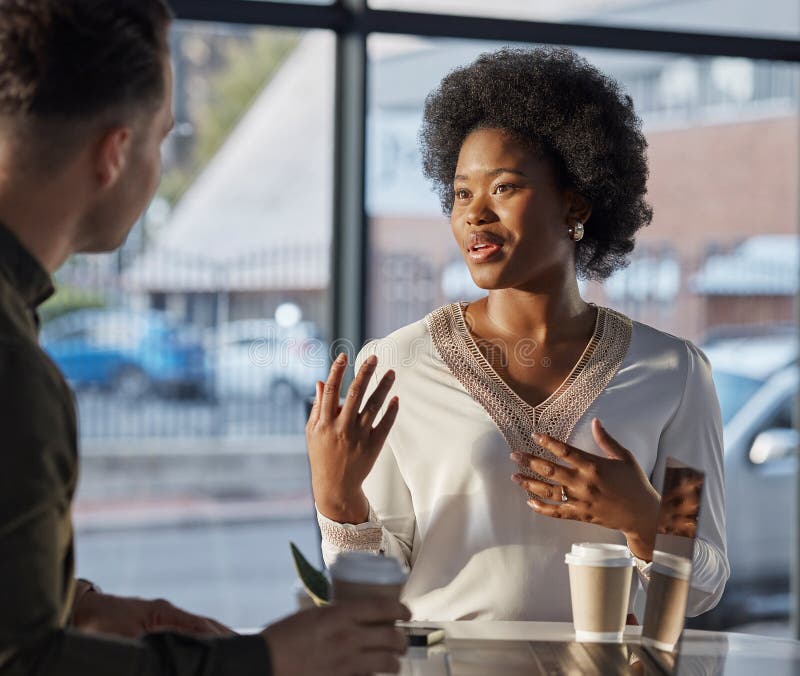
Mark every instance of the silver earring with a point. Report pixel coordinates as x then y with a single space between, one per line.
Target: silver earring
576 231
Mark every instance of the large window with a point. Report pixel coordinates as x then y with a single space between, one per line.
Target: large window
194 349
718 264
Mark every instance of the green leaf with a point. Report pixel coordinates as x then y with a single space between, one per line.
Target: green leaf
314 581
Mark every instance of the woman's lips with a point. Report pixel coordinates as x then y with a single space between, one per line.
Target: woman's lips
483 247
484 253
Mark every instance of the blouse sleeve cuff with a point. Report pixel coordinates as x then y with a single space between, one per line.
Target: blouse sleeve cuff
643 568
710 568
367 536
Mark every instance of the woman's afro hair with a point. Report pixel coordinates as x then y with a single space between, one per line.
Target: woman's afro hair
567 112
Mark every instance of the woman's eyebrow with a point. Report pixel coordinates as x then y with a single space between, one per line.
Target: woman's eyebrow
493 172
504 170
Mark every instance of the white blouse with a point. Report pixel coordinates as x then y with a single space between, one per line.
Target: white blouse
441 495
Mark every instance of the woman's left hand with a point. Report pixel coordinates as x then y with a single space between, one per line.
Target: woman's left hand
613 491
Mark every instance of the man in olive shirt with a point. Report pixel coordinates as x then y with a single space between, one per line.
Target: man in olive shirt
85 102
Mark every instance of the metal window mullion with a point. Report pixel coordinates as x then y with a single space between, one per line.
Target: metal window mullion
794 573
349 244
250 12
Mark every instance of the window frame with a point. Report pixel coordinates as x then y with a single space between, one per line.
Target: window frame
353 21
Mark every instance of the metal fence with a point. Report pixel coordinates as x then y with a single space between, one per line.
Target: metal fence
177 346
186 347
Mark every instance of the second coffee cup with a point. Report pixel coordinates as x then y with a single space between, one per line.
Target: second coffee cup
358 575
599 585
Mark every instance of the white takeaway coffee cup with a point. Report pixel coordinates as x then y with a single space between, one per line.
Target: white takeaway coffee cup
358 575
599 585
667 593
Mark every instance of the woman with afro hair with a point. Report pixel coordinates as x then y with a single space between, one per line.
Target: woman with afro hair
531 419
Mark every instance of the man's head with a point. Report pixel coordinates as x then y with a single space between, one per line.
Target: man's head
85 93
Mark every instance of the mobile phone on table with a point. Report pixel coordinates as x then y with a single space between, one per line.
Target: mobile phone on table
423 636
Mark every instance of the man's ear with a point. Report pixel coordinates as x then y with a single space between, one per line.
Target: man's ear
579 208
111 155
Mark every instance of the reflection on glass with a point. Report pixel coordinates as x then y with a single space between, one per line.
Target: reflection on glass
680 507
684 665
664 649
671 570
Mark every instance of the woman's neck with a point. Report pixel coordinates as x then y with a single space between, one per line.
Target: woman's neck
546 317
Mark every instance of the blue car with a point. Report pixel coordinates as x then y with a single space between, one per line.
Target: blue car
132 354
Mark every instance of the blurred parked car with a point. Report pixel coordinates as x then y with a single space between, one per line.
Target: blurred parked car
257 358
129 353
756 376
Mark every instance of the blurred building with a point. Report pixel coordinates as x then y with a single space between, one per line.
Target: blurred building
250 234
253 231
712 125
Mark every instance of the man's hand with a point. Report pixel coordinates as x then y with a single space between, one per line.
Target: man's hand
99 613
339 640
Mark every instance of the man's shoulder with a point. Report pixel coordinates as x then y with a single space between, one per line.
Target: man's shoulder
12 315
16 353
24 359
31 382
38 428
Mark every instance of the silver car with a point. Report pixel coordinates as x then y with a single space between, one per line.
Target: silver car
258 358
756 377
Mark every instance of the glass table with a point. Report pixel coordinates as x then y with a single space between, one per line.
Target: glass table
501 647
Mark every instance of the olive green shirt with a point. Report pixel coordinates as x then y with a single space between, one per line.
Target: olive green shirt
38 475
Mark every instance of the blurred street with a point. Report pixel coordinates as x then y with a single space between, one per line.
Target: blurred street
105 415
238 573
195 502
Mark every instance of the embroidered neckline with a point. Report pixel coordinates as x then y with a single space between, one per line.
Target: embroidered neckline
572 376
557 415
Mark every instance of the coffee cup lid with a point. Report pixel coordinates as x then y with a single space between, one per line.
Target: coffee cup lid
672 565
599 554
368 568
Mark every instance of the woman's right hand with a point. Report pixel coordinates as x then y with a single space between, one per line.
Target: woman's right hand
342 442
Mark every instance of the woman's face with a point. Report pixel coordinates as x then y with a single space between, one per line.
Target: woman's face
510 217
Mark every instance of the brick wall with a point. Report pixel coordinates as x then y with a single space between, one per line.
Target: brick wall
710 186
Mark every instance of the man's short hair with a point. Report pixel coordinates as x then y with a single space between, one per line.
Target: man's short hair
67 63
71 58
